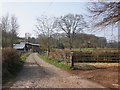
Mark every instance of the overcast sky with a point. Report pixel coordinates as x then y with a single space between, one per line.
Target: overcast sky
26 12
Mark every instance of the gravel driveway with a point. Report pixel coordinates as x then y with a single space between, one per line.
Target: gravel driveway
37 73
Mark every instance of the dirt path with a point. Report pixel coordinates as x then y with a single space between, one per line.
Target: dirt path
37 73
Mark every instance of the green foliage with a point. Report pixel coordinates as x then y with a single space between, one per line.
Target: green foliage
24 57
55 62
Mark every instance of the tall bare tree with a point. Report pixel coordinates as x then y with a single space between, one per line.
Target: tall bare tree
5 29
105 13
45 27
13 30
71 24
9 29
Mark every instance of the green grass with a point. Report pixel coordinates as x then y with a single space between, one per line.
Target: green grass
24 57
55 63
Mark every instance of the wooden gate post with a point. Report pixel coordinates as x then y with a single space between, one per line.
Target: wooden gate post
71 59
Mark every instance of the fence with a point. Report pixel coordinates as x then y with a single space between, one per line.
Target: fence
96 56
85 56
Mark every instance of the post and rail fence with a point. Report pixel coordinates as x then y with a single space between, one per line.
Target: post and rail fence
94 57
84 56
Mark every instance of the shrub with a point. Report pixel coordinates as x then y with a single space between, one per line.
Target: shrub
10 62
59 55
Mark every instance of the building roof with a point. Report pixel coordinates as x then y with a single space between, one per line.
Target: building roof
19 46
23 44
33 44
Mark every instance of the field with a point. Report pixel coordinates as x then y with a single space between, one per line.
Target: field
98 65
105 74
92 49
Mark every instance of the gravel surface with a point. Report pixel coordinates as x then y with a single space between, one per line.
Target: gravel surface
37 73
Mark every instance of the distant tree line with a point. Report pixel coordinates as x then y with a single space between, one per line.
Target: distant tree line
81 41
67 32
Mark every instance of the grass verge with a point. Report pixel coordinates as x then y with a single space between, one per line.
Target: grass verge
54 62
24 57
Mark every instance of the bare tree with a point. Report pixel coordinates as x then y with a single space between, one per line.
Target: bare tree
9 29
105 13
45 27
71 24
5 29
13 30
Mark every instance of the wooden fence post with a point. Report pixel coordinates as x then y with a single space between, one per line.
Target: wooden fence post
71 59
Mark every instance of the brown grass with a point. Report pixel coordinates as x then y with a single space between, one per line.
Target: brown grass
99 64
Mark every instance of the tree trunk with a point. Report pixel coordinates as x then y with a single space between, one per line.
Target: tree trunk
71 59
70 43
